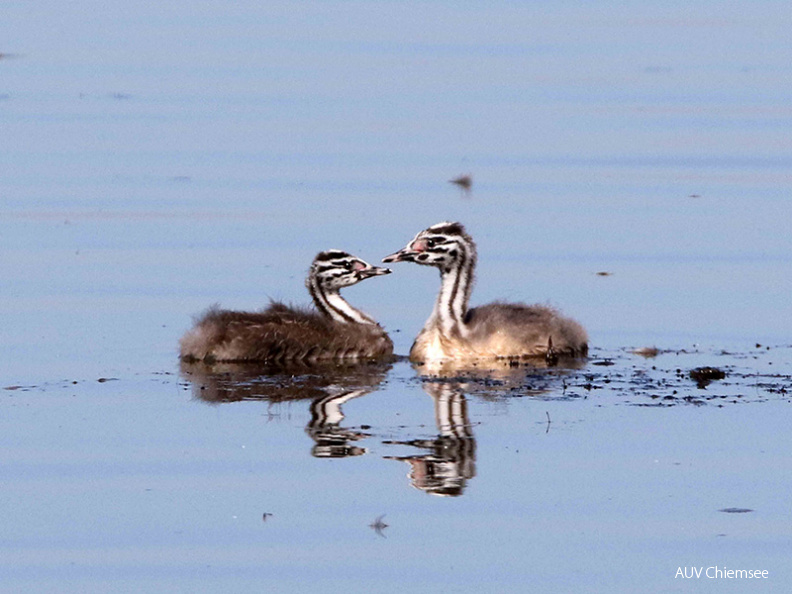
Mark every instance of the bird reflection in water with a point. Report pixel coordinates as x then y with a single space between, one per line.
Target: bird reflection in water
327 386
332 440
450 461
451 457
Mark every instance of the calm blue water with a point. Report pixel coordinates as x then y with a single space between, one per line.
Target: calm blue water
158 159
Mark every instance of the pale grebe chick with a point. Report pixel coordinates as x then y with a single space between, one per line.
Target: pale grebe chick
282 334
491 331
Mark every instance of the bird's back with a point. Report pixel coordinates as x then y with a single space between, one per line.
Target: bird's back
281 333
517 329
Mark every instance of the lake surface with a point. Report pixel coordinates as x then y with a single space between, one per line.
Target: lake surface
631 165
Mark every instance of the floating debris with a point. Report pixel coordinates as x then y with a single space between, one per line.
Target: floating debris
265 516
463 181
379 526
704 375
735 510
604 273
648 352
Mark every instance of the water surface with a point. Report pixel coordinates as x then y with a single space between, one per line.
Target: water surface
159 159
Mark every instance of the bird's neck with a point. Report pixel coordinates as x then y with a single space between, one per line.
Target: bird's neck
452 301
331 304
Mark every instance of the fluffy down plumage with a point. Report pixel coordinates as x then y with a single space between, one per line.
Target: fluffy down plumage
524 330
281 333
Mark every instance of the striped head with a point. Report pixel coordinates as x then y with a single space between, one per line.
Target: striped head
333 270
444 245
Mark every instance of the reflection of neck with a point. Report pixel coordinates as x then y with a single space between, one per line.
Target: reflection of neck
331 304
456 283
451 413
327 410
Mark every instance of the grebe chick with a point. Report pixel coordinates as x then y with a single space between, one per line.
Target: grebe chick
491 331
280 334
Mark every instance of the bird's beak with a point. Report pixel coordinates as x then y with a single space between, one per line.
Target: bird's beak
403 255
373 271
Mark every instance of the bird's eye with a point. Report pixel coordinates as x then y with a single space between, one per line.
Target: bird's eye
430 243
348 265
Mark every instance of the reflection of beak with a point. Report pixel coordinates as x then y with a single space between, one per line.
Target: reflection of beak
403 255
373 271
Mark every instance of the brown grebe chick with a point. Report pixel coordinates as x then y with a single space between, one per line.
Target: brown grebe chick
491 331
336 331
